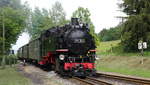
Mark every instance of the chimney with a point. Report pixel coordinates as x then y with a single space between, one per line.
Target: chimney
75 21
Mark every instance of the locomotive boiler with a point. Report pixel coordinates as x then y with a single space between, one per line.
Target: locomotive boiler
68 50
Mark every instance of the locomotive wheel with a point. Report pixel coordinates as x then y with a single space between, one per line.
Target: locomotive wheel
59 68
70 74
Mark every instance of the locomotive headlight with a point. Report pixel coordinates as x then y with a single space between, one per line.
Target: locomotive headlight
61 57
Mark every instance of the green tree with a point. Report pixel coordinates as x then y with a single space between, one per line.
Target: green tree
13 14
134 7
137 26
84 15
42 19
135 29
39 21
58 14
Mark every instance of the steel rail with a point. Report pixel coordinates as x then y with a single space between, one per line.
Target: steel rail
92 81
98 81
84 81
126 78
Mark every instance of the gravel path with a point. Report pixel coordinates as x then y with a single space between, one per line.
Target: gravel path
40 77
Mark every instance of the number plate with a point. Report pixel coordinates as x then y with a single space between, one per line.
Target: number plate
79 41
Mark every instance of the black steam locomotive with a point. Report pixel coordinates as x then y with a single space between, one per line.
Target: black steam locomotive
68 50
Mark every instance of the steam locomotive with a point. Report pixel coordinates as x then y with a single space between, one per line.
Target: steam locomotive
68 50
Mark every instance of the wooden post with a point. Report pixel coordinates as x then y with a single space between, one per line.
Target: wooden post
142 54
142 60
111 48
3 24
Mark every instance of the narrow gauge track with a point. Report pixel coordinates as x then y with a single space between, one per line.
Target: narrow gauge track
92 81
142 81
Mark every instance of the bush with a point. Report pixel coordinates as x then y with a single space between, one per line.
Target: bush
110 34
8 60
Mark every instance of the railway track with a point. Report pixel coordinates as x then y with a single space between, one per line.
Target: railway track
109 77
141 81
92 81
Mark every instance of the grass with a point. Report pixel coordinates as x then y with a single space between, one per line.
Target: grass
113 59
135 72
125 65
9 76
106 47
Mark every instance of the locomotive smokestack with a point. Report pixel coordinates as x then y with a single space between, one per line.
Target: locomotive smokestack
75 21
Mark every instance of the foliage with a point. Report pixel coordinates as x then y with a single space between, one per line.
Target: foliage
58 14
110 34
39 21
43 19
134 7
13 14
8 60
137 26
84 15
